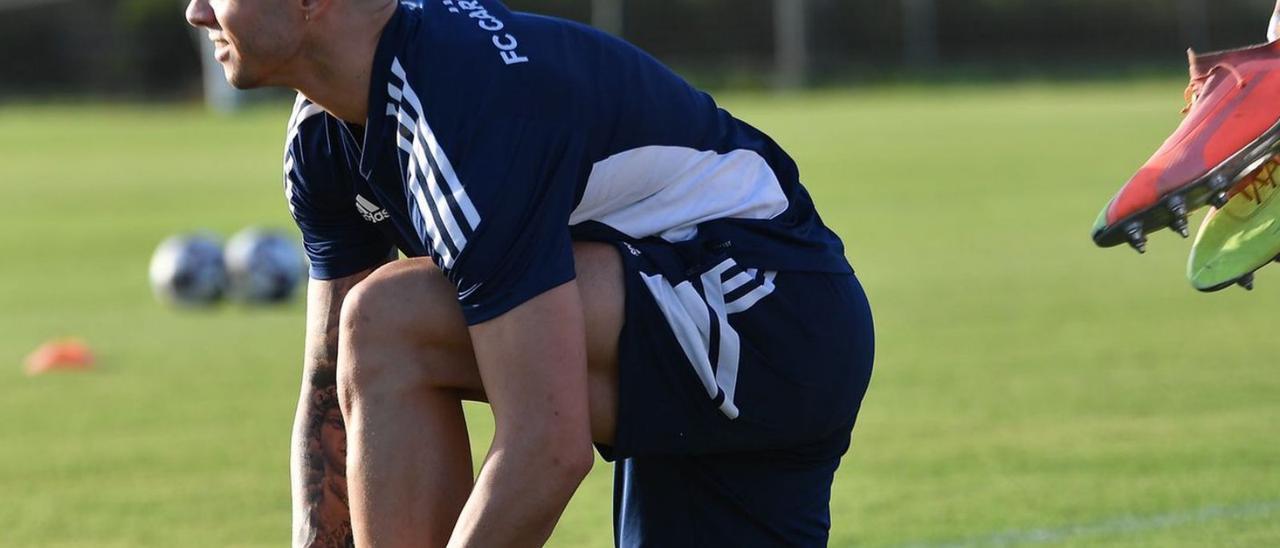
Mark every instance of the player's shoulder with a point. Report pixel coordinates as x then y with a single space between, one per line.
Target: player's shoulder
307 119
475 66
481 43
315 157
313 136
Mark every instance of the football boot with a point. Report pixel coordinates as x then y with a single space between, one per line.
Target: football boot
1241 237
1232 126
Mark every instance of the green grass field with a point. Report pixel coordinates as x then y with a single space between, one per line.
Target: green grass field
1030 388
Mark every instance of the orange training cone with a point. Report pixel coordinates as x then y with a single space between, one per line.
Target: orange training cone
60 355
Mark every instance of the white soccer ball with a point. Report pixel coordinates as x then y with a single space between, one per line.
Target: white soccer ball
187 270
264 266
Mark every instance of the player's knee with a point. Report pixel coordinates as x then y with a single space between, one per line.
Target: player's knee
365 340
392 323
361 310
406 301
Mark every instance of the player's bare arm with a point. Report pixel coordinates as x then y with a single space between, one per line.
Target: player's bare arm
533 362
321 516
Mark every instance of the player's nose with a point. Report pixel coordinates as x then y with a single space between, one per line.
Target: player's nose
199 14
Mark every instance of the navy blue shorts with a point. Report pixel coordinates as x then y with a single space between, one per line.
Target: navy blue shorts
738 391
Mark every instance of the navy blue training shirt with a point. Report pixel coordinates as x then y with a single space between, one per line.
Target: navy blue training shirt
496 138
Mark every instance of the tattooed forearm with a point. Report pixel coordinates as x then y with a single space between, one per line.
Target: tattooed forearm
321 517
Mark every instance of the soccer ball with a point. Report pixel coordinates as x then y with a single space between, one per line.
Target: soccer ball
264 266
187 270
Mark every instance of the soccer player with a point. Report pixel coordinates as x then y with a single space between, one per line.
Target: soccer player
595 249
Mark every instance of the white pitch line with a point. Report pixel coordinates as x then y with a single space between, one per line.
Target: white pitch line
1114 526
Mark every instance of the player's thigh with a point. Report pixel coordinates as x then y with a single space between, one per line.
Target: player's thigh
411 304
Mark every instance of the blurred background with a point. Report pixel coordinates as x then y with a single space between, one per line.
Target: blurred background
1030 389
132 48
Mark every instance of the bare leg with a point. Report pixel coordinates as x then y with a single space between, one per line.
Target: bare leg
403 427
405 365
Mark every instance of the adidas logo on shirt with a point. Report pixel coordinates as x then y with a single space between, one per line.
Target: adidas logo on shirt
370 211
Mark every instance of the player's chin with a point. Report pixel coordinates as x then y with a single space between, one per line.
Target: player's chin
240 78
242 83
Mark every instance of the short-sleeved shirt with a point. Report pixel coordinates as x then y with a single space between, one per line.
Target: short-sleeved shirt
497 138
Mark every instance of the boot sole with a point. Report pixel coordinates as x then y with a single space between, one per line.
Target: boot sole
1196 194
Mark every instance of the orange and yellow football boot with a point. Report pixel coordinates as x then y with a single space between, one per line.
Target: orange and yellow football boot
1232 126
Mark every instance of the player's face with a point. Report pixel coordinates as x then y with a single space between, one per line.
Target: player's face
333 442
254 40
